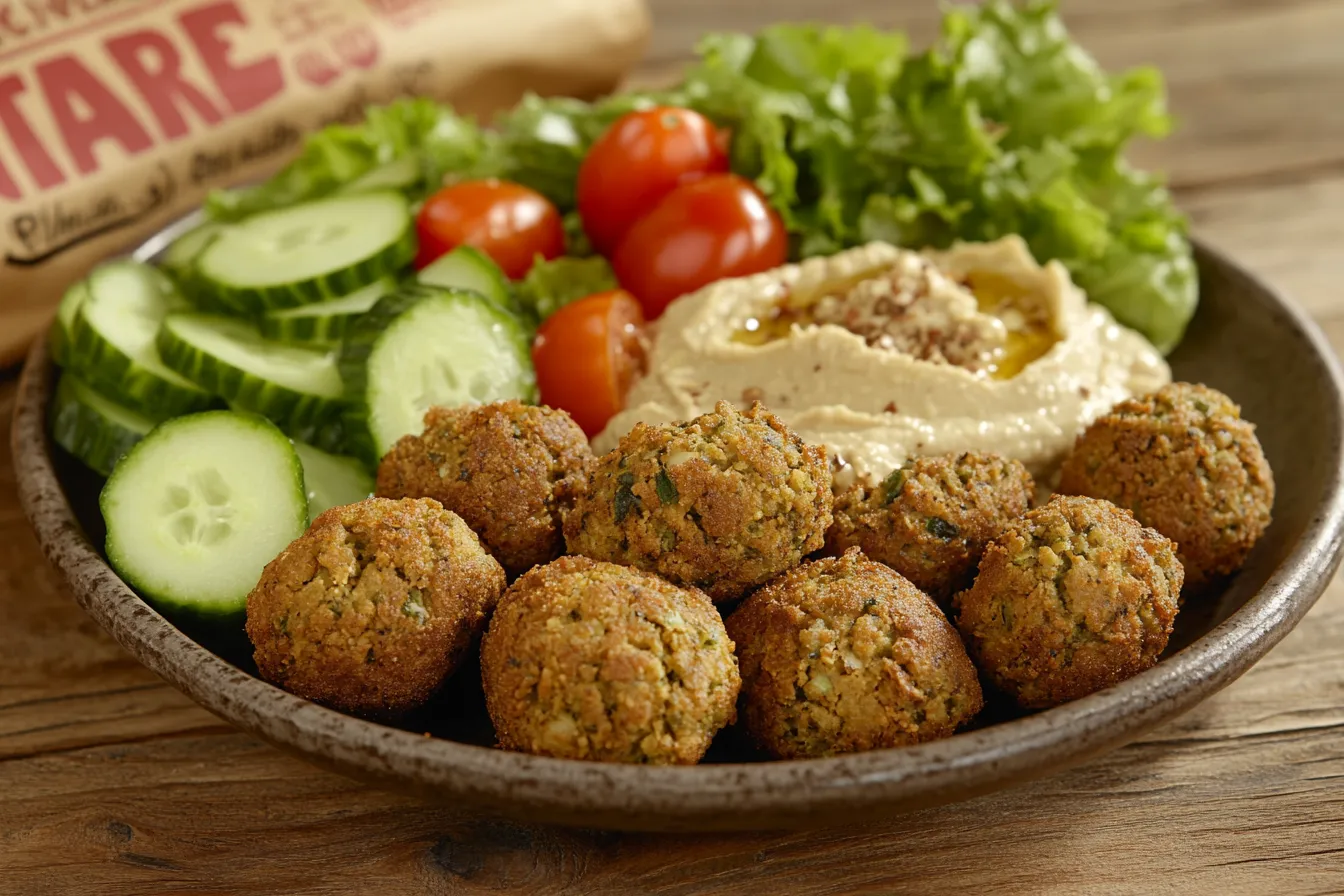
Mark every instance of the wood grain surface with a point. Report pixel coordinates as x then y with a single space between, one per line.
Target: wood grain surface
112 782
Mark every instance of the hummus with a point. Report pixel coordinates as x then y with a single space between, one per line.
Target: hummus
881 354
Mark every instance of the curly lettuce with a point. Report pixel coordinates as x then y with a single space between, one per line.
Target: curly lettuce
551 285
1003 126
421 139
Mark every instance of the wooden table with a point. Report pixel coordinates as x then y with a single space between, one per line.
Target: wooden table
113 782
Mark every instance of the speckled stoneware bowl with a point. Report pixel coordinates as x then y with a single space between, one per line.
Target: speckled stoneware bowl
1246 340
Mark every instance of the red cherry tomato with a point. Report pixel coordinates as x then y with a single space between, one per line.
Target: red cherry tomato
641 158
586 356
507 221
717 227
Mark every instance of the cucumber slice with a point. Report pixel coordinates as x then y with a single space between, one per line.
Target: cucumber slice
295 387
400 174
198 508
331 480
309 253
328 436
179 263
180 257
92 428
113 345
323 323
422 346
61 334
467 267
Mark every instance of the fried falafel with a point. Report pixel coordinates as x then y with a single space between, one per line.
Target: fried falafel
589 660
374 606
506 468
930 519
1185 463
1073 597
844 654
724 502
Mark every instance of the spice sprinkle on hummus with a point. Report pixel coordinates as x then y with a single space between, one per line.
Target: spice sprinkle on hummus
882 353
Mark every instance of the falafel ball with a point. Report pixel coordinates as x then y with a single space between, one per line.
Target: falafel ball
930 519
1073 597
506 468
844 654
1186 464
589 660
724 502
374 606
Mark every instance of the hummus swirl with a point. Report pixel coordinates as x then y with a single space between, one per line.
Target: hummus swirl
874 405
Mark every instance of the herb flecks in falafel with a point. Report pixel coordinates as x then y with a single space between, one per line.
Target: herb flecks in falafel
508 469
589 660
374 606
1185 463
724 502
1073 597
930 519
844 654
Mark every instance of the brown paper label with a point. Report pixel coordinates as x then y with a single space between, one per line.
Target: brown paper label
117 116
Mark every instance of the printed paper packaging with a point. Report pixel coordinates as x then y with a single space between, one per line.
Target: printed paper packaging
117 116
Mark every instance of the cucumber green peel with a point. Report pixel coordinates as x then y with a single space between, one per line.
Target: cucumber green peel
113 342
196 510
422 346
307 253
294 386
93 428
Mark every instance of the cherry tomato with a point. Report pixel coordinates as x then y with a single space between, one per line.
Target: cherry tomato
719 226
586 356
641 158
507 221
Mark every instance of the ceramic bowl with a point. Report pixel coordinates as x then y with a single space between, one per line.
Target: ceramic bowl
1246 340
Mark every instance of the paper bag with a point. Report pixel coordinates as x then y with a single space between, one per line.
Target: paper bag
117 116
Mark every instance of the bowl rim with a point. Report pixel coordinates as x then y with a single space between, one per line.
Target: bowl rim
711 796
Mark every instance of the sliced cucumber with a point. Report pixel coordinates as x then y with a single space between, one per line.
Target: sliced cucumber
467 267
399 174
295 387
323 323
179 262
198 508
92 428
329 435
308 253
332 480
62 328
181 255
113 345
422 346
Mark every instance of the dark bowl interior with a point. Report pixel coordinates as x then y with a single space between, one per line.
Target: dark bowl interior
1246 340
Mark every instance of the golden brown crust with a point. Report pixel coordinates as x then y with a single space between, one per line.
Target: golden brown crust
1074 597
930 520
724 502
589 660
506 468
1186 464
842 655
373 607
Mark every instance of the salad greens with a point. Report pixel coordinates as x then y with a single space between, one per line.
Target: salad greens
1004 126
551 285
435 138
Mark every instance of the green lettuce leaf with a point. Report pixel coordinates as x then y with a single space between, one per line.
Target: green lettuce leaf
1004 126
434 137
551 285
